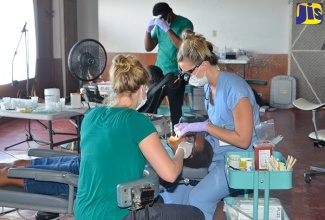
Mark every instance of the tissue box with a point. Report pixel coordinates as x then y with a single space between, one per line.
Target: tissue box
246 205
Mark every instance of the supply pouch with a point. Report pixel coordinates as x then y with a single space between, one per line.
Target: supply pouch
265 131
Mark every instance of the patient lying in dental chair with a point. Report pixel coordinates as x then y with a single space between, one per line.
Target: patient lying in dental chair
66 163
201 157
202 152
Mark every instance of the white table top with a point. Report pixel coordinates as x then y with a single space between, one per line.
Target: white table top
239 60
67 112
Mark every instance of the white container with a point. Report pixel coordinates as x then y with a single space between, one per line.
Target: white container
52 96
75 100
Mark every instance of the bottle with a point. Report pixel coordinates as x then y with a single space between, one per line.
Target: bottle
222 54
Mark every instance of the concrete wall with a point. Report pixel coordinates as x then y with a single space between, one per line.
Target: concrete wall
257 26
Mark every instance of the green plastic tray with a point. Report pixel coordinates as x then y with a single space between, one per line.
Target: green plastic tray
256 179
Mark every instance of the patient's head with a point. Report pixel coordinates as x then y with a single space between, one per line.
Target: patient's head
202 151
156 74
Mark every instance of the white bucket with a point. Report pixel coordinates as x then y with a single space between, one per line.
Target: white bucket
52 96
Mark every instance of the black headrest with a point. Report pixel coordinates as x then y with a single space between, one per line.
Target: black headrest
158 85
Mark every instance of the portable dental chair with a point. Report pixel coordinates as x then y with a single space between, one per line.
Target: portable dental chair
133 194
154 94
318 136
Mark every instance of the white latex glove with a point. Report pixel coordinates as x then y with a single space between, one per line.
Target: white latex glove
187 147
151 25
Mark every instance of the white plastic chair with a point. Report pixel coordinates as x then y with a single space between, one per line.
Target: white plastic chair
318 136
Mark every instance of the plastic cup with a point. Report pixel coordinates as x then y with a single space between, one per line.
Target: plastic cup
58 107
62 102
6 99
34 99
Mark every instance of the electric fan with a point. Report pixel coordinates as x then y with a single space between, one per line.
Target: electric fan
86 61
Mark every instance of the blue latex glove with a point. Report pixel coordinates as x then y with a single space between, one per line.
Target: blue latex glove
183 128
151 25
162 24
187 147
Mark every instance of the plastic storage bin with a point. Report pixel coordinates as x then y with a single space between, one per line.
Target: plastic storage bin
243 212
256 180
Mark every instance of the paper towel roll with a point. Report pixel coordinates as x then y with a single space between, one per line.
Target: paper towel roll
75 100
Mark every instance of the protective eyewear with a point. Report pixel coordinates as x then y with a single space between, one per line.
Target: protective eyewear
189 72
190 137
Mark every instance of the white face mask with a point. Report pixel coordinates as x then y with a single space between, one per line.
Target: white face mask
194 81
144 100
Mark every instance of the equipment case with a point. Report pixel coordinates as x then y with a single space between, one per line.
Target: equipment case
283 91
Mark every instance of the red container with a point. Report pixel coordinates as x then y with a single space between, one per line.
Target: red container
263 151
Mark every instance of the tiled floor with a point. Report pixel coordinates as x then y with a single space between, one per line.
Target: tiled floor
14 132
303 201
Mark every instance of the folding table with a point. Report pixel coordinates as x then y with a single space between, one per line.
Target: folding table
66 113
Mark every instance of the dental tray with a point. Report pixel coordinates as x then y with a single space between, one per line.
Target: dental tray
256 179
153 117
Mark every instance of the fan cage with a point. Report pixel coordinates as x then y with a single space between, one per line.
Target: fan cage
87 60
